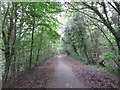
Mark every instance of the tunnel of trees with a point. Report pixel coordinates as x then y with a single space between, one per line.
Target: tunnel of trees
30 34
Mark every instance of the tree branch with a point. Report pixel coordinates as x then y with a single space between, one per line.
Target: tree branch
114 8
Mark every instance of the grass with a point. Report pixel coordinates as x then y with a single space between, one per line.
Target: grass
99 68
104 69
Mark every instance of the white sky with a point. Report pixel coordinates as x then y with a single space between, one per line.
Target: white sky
63 0
63 20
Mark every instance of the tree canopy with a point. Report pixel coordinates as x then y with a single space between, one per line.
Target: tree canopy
30 34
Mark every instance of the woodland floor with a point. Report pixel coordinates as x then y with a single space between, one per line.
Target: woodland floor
63 72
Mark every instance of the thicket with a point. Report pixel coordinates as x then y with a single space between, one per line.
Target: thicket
92 34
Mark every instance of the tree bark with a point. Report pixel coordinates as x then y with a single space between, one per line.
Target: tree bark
13 51
32 38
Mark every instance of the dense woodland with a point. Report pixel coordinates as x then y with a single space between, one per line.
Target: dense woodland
30 34
93 33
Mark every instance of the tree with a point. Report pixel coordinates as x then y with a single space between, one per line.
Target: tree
28 30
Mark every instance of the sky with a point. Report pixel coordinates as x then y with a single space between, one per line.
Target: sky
63 20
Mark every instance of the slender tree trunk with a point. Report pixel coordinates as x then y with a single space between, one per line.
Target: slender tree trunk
7 43
85 51
84 46
6 51
13 51
74 47
31 51
8 55
38 55
92 43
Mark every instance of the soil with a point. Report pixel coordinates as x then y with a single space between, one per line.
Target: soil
91 77
63 72
36 77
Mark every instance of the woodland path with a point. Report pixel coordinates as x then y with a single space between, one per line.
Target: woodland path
63 72
63 76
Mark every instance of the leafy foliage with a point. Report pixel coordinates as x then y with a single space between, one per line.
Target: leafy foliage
92 35
29 32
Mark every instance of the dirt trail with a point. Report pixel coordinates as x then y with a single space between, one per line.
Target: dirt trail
63 72
63 76
36 77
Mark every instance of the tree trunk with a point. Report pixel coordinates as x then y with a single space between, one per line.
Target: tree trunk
38 55
13 51
31 51
8 55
